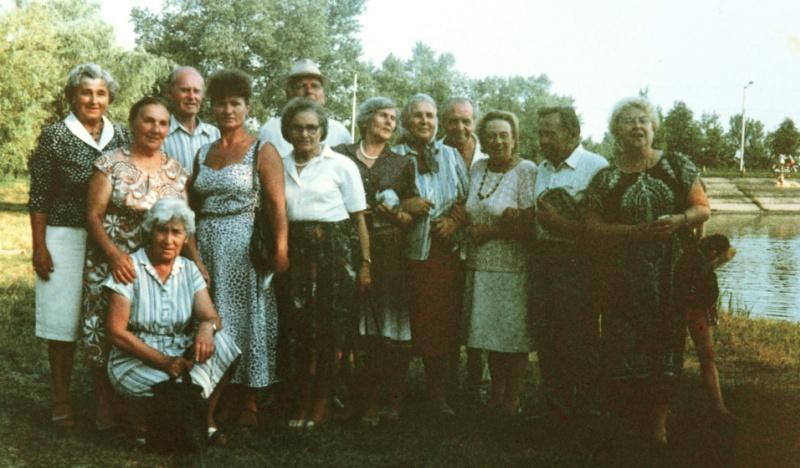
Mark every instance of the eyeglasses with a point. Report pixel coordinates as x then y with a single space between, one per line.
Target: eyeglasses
643 120
300 129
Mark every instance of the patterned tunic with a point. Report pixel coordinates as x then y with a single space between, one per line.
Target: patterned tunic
133 192
225 225
161 316
643 333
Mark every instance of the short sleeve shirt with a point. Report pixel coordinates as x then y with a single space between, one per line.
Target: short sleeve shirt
183 146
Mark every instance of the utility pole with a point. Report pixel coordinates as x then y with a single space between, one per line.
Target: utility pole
744 125
353 119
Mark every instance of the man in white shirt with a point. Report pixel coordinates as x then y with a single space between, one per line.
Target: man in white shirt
566 318
458 121
187 133
306 80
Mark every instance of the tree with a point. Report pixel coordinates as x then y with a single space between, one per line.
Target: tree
36 56
261 37
755 149
715 150
785 139
681 132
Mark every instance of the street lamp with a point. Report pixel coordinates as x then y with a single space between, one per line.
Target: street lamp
744 124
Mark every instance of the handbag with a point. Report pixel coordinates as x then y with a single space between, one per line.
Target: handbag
262 241
177 417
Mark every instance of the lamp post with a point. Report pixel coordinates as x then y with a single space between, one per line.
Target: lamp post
744 125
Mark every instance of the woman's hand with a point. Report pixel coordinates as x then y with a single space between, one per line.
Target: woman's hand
416 206
481 233
42 262
204 342
364 277
121 266
398 216
174 366
667 225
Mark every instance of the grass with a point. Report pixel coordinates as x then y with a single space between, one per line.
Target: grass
759 363
732 172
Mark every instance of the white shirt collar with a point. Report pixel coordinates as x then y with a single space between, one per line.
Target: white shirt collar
175 124
76 128
289 163
144 260
571 161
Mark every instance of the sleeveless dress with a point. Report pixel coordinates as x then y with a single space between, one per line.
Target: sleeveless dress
225 224
133 192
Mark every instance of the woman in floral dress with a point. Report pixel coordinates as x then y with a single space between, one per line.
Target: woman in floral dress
124 185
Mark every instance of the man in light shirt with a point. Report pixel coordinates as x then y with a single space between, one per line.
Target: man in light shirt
304 80
187 133
567 323
458 119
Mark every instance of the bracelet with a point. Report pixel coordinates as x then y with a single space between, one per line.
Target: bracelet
214 328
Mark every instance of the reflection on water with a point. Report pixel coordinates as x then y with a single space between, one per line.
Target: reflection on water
765 274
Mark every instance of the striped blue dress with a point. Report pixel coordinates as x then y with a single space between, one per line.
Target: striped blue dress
161 316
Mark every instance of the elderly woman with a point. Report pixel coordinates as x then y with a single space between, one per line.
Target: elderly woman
388 178
636 211
165 312
329 243
60 168
125 184
496 293
232 174
434 272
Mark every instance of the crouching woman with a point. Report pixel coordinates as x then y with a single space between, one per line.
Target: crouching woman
166 311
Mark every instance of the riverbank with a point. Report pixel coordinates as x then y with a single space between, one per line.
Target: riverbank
753 195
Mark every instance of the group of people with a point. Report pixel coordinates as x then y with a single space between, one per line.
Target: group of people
395 245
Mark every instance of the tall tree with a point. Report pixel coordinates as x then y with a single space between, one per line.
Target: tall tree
681 132
261 37
715 149
43 40
785 139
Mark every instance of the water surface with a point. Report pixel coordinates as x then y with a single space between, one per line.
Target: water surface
764 277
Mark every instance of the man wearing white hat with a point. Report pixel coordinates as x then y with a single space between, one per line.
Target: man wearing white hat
304 80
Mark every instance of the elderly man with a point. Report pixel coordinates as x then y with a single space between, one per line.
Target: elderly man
458 118
304 80
565 318
186 132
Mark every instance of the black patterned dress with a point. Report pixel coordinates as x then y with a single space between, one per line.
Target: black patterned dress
643 333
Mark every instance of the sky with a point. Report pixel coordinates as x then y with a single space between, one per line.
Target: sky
701 52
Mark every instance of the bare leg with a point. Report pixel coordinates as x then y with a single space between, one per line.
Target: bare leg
104 400
213 400
436 372
474 372
396 379
248 415
701 334
498 366
61 355
657 423
515 377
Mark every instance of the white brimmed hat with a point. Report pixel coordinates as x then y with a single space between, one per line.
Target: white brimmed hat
305 67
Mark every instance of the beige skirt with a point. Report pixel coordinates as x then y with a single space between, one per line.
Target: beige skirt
58 300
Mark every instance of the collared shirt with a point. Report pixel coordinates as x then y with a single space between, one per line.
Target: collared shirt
182 145
445 188
328 189
573 175
477 155
271 132
61 165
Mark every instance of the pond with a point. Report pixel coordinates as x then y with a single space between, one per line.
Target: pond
764 277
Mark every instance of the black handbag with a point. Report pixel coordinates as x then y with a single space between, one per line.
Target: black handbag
177 417
262 242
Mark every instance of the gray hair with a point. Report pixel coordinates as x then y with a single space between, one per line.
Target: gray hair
447 108
405 136
91 71
368 109
165 211
638 102
176 72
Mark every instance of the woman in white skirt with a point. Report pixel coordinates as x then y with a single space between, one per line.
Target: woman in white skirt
59 169
496 294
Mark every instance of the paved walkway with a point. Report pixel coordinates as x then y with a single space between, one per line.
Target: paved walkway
752 195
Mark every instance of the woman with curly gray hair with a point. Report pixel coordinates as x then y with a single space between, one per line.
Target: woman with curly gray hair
59 170
638 210
384 328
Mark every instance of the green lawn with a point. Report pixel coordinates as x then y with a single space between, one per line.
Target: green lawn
759 362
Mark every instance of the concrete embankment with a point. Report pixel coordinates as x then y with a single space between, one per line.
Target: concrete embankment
752 195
